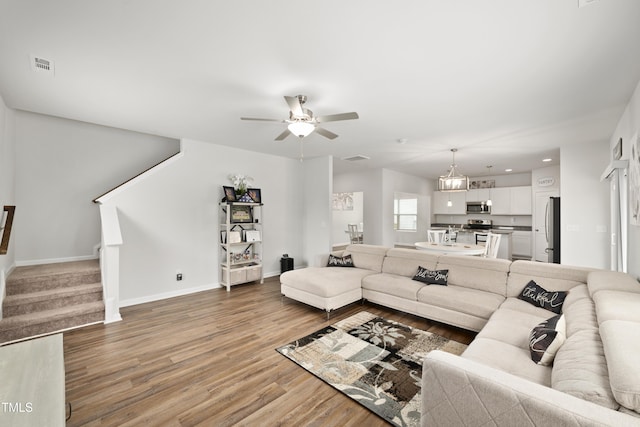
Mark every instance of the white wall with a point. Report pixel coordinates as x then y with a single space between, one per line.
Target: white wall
7 186
170 219
584 205
341 218
379 186
546 179
403 183
370 184
318 188
628 125
61 166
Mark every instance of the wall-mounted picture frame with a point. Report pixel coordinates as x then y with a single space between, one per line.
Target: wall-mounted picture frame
255 194
229 194
241 214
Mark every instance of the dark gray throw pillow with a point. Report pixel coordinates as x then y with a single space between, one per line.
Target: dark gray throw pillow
540 297
546 338
340 261
432 277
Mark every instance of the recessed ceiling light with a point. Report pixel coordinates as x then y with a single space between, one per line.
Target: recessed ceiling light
547 160
508 170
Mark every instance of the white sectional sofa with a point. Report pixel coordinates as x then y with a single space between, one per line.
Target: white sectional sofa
594 379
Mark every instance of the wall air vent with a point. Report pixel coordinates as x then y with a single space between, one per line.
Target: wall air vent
42 65
356 158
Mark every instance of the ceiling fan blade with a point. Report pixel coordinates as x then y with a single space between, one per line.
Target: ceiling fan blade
283 135
262 120
337 117
326 133
294 105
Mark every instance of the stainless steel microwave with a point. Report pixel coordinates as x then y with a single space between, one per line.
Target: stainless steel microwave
478 208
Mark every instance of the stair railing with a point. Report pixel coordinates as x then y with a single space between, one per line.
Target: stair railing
110 262
6 222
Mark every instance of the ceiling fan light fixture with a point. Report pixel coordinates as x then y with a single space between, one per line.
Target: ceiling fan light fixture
453 181
300 128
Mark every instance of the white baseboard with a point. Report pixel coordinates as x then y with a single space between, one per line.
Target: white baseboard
177 293
166 295
25 263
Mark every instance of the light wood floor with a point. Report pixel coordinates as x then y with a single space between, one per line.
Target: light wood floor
209 359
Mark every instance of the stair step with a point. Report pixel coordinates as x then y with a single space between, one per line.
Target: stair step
37 278
45 322
15 305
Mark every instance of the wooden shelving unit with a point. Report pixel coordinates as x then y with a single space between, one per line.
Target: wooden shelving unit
241 243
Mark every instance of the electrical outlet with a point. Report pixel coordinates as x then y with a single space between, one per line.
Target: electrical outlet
178 276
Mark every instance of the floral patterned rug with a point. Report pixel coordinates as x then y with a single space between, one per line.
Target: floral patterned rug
376 362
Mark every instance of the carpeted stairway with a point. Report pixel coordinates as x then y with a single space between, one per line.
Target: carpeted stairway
42 299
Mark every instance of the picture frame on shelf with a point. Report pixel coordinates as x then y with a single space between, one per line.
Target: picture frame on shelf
241 214
255 194
235 237
229 194
252 235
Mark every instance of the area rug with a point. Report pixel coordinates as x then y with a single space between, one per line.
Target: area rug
374 361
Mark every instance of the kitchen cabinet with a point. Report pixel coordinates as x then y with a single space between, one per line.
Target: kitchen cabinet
478 195
521 245
466 237
520 200
511 201
458 203
505 249
501 201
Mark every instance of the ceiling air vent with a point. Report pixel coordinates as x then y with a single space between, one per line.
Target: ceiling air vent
583 3
356 158
42 65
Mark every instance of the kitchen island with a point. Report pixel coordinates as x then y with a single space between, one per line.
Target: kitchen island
515 242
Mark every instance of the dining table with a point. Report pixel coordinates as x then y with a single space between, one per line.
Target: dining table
450 248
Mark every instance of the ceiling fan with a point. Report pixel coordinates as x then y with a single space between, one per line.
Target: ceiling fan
302 122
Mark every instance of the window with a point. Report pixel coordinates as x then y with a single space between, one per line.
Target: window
405 212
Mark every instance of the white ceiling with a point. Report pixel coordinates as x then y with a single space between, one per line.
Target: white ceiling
505 81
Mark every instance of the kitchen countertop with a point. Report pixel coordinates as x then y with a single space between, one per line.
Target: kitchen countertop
495 227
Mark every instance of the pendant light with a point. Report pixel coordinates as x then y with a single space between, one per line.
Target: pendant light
453 181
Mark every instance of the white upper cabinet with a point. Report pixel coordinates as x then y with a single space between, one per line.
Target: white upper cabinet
501 201
458 203
478 195
505 200
521 201
511 201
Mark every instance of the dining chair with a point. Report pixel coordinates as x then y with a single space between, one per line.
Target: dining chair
435 236
354 235
491 246
451 236
480 237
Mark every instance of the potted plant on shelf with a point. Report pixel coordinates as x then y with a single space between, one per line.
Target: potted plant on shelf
240 184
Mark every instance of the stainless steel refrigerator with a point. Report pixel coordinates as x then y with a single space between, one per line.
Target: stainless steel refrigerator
552 229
